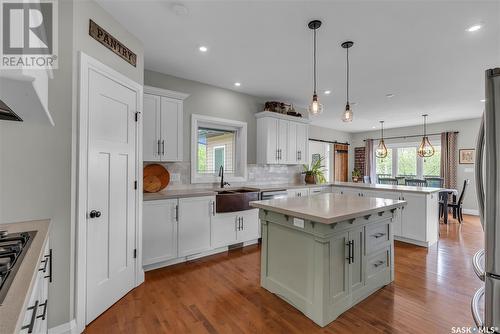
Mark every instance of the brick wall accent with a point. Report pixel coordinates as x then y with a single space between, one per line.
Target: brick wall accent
359 159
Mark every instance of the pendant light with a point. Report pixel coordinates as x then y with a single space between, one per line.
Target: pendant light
381 151
315 108
425 150
347 115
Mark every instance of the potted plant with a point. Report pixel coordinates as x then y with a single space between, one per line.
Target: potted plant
314 173
356 175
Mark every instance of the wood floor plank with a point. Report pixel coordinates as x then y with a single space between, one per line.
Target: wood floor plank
222 294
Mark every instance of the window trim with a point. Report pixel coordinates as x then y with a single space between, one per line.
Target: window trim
394 146
240 148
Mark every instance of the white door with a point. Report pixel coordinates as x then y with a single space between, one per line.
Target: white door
171 129
151 128
224 227
249 225
110 192
194 224
282 141
159 231
271 134
292 152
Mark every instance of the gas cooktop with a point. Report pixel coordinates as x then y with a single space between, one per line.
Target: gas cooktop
13 248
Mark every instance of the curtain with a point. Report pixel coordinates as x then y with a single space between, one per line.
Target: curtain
369 160
449 159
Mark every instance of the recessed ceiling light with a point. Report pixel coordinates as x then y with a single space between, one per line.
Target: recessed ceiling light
474 27
389 95
237 84
203 48
328 92
483 100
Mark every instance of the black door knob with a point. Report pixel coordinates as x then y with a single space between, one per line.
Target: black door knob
95 214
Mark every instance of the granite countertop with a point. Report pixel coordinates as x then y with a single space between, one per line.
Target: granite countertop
15 303
194 192
328 208
399 188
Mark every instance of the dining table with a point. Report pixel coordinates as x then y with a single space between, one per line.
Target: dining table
444 195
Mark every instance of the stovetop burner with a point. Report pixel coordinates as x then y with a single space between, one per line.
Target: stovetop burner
13 248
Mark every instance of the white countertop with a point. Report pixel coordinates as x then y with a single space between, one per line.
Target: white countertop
328 208
15 303
388 187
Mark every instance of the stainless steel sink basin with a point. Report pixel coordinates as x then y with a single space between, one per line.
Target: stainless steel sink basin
232 200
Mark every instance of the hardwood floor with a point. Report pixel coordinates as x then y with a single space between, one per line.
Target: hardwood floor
221 294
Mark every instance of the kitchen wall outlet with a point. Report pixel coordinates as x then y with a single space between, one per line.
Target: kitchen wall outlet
175 177
298 222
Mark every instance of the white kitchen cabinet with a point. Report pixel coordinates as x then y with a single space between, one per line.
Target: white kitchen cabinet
235 227
195 215
281 139
410 215
162 124
249 226
159 231
320 190
298 192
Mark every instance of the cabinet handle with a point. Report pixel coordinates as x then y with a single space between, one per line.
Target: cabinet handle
378 235
30 326
348 258
44 268
277 154
177 213
44 314
378 264
158 148
213 208
163 147
49 258
242 223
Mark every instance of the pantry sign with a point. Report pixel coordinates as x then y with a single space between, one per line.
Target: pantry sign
106 39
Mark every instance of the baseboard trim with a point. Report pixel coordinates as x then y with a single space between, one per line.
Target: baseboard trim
66 328
471 212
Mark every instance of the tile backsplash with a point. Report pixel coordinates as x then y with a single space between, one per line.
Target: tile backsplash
180 175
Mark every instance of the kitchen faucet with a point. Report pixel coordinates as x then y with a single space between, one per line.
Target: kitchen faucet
221 174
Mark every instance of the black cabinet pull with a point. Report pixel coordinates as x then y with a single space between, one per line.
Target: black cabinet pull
348 258
44 314
158 148
162 147
352 251
33 318
49 258
44 268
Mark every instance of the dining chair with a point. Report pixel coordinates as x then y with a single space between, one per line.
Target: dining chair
434 182
415 182
457 205
388 180
366 179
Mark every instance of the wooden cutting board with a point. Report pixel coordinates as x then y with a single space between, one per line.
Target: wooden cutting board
155 178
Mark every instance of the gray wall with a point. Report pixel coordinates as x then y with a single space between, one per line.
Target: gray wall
466 139
213 101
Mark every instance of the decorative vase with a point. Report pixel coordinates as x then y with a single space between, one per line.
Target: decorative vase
355 179
310 179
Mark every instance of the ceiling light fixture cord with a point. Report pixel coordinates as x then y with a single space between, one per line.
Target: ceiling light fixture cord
314 62
347 74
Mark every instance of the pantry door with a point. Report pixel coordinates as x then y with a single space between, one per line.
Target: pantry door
111 190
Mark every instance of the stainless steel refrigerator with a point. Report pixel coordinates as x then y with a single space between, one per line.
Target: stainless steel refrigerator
486 301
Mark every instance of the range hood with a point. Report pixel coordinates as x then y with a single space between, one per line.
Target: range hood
24 96
7 114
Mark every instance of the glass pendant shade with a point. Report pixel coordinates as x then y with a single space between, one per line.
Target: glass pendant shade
347 116
425 150
381 151
315 108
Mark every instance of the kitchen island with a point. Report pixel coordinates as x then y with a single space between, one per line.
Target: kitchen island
325 253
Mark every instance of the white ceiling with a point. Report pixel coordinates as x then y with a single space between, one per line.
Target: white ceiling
418 50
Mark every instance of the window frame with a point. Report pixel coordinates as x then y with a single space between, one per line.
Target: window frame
240 148
394 147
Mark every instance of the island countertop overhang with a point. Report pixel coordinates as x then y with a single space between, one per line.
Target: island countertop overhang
328 208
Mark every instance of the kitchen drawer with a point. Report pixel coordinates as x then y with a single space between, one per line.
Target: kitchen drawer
378 263
377 236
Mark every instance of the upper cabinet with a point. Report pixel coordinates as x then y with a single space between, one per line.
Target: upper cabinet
162 124
281 139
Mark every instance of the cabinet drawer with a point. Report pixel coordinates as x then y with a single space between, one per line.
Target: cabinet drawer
379 262
377 237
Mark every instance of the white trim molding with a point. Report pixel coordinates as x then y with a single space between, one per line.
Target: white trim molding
240 147
472 212
66 328
86 64
165 92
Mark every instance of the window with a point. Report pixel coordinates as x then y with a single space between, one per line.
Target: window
402 161
218 142
324 150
